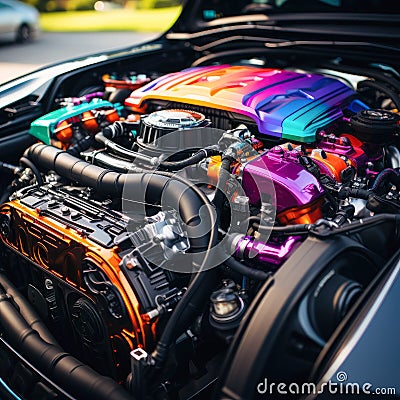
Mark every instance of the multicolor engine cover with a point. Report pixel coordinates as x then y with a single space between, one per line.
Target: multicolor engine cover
283 104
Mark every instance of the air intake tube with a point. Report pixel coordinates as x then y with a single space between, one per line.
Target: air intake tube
155 185
176 192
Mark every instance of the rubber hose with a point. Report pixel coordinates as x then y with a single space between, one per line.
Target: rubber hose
194 159
105 160
242 269
186 195
65 370
385 176
120 150
81 145
27 311
360 224
28 163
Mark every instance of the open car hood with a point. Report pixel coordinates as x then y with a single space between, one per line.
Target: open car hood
199 14
202 212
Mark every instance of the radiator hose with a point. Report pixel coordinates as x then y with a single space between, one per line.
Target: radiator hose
65 370
27 311
181 194
149 187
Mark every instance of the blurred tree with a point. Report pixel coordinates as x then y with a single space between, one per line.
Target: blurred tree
158 3
70 5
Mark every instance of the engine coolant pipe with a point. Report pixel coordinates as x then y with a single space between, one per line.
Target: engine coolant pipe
81 381
156 185
26 310
259 252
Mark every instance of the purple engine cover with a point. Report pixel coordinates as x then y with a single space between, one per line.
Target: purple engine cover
294 185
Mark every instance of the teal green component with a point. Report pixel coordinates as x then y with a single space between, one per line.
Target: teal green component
119 107
303 124
305 138
43 127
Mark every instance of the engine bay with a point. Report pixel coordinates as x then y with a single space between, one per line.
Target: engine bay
150 211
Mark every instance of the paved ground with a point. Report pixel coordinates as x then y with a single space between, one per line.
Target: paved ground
17 59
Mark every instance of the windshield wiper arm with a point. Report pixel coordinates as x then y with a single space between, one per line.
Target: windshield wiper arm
230 39
290 43
277 43
215 31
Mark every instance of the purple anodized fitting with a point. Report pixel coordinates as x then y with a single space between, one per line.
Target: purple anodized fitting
259 252
342 146
278 172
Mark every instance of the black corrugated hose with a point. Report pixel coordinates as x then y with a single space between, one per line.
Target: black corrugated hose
77 378
179 192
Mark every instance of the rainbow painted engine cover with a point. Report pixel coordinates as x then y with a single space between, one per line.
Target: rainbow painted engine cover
282 104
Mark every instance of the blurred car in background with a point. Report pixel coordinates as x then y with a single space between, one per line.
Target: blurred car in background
18 21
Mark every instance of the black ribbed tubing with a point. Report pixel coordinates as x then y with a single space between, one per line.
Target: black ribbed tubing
65 370
153 185
27 311
156 185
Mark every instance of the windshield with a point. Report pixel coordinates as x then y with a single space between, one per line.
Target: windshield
225 8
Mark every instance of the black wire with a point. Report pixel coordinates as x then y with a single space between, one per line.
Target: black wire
242 269
194 159
122 151
360 224
298 229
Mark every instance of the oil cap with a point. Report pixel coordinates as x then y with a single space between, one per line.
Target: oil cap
375 125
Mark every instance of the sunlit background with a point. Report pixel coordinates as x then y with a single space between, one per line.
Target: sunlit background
120 15
76 28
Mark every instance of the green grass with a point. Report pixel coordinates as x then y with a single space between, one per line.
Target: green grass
157 20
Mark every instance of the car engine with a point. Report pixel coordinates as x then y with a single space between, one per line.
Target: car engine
143 222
